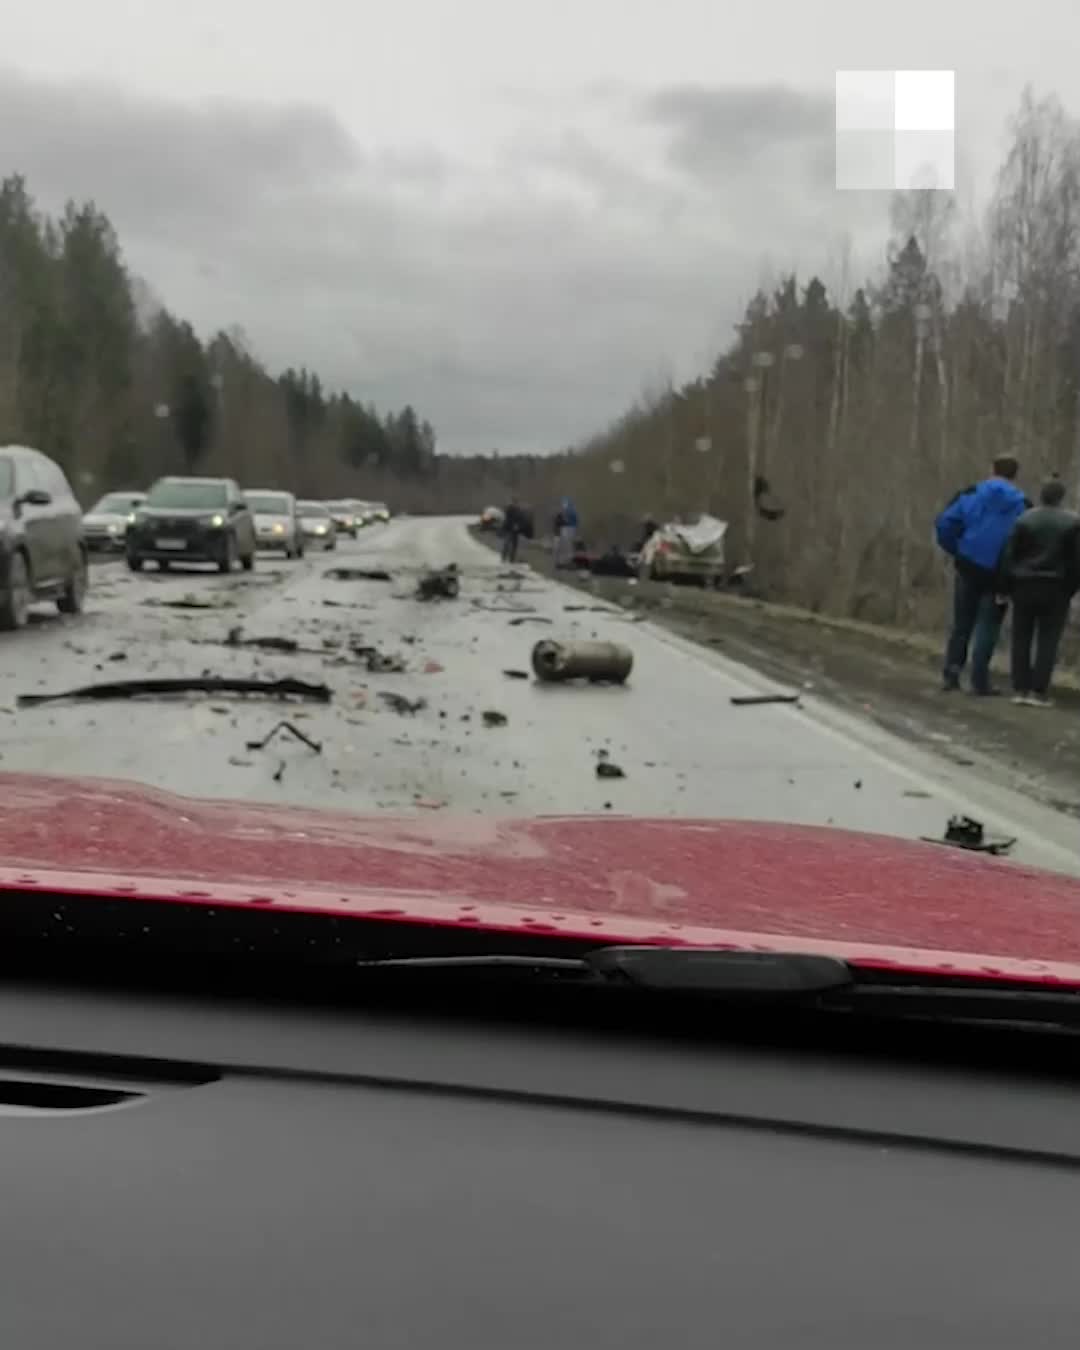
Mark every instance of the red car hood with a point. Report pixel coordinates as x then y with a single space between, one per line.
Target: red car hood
870 899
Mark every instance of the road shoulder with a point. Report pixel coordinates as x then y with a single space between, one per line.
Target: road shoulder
889 677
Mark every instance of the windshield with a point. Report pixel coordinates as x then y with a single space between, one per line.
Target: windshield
116 504
268 503
187 495
728 403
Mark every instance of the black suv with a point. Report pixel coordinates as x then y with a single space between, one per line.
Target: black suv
42 554
192 520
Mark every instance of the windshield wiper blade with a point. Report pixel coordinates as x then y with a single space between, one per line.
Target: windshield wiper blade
673 970
818 983
480 961
985 1004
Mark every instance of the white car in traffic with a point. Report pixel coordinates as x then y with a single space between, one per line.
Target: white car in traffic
277 524
317 524
105 524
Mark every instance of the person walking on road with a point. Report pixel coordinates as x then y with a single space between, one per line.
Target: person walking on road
972 530
514 526
1041 567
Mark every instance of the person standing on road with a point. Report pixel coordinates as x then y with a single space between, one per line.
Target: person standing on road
972 530
564 543
1041 567
556 537
514 523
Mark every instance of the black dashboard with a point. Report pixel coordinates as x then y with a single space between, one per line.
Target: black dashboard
211 1170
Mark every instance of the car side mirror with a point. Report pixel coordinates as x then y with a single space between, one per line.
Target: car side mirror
236 507
35 497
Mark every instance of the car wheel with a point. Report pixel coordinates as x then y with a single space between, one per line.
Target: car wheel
248 562
74 595
15 598
228 558
135 562
163 565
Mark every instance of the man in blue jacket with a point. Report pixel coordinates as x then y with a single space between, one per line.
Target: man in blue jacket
973 530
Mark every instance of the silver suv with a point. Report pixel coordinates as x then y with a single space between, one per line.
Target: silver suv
42 552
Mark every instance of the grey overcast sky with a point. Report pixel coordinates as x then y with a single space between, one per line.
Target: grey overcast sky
511 213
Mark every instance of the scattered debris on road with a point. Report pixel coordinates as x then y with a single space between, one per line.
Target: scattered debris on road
495 719
118 656
358 574
442 584
191 601
239 763
377 662
236 638
598 662
293 731
516 674
606 768
515 623
403 706
204 684
433 668
964 832
756 700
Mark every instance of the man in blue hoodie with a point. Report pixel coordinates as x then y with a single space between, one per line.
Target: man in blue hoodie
973 530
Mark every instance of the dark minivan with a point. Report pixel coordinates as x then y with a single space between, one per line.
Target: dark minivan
193 520
42 553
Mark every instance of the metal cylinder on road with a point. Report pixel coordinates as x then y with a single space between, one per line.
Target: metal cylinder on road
610 661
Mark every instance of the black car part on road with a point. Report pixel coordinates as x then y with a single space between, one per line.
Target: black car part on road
205 684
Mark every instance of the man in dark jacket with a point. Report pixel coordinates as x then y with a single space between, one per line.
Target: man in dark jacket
973 529
1041 566
515 524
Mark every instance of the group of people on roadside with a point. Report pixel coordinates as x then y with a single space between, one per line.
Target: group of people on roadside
517 524
1009 552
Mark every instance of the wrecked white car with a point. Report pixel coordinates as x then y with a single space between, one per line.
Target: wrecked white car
680 551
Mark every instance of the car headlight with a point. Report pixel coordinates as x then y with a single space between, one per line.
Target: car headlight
279 528
320 529
113 529
217 521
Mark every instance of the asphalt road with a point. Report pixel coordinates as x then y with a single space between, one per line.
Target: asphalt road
685 749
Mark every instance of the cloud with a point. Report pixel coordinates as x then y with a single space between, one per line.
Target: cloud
714 130
516 296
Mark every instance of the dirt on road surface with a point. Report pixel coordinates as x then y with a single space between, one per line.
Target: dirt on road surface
431 706
890 677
